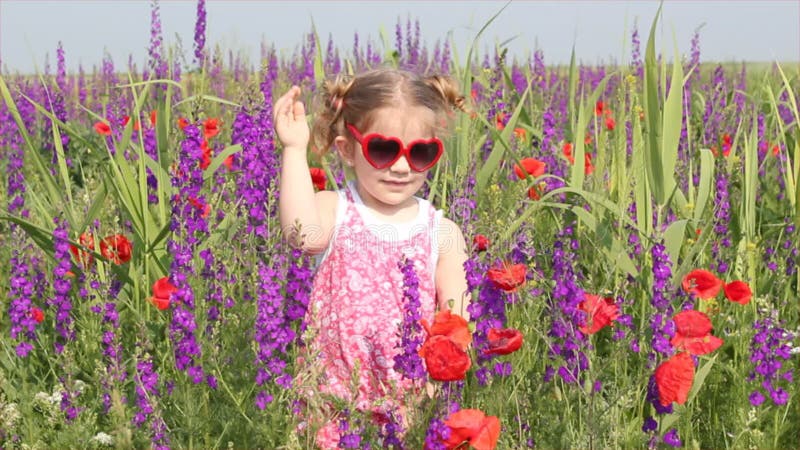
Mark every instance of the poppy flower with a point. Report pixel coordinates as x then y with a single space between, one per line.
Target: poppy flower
228 162
693 333
451 326
738 292
520 132
480 242
674 379
444 358
136 125
83 257
702 283
205 159
776 150
117 248
210 128
532 167
600 312
474 427
588 167
102 128
182 123
37 315
566 149
508 277
162 290
500 118
205 208
318 178
598 107
153 118
610 123
502 341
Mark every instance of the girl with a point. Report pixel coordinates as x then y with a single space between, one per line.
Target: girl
384 124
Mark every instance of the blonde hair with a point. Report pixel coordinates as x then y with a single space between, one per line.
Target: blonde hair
353 99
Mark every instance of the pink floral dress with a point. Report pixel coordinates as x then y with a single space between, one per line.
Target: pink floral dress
356 305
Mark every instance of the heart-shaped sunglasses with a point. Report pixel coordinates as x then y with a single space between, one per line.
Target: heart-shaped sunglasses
383 151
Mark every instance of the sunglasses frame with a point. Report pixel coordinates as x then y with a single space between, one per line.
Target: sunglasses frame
405 150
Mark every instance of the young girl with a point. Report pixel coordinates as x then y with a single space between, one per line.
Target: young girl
384 124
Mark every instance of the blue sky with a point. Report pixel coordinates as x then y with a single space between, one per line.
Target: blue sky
600 31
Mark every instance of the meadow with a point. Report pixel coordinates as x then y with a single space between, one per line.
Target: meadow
150 301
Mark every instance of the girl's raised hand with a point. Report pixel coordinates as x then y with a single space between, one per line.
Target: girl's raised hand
289 117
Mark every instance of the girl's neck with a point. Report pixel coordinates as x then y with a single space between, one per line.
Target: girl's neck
404 212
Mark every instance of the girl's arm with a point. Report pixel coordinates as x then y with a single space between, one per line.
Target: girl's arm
451 279
298 205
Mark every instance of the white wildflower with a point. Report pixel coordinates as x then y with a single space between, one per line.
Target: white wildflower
103 439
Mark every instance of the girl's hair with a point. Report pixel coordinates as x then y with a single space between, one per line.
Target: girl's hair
353 99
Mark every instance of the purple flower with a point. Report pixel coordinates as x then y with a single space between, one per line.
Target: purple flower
200 33
408 362
61 286
672 439
770 347
567 342
273 333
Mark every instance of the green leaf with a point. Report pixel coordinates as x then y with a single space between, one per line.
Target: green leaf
700 377
219 159
673 238
704 188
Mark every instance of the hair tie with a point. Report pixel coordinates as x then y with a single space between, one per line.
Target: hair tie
337 103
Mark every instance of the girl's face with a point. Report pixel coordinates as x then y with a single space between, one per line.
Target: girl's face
394 186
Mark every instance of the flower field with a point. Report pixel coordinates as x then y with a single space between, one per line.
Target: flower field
633 263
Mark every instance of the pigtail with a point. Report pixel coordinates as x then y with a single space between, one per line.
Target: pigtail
448 89
330 120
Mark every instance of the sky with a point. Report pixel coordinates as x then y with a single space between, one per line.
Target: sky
599 31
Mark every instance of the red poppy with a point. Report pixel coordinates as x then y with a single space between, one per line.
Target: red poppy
738 292
610 123
37 314
533 192
598 108
480 242
702 283
502 341
520 132
532 166
674 379
228 162
588 167
210 128
117 248
444 358
182 123
451 326
600 312
508 277
205 159
136 125
162 290
83 257
318 178
776 149
102 128
567 150
153 118
727 142
474 427
200 206
693 333
500 118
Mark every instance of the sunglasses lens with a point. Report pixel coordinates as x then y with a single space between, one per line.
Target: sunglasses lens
424 154
382 151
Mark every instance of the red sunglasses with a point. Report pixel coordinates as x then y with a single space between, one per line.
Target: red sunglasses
383 151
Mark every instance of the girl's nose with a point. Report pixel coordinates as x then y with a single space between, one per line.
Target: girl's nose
401 165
